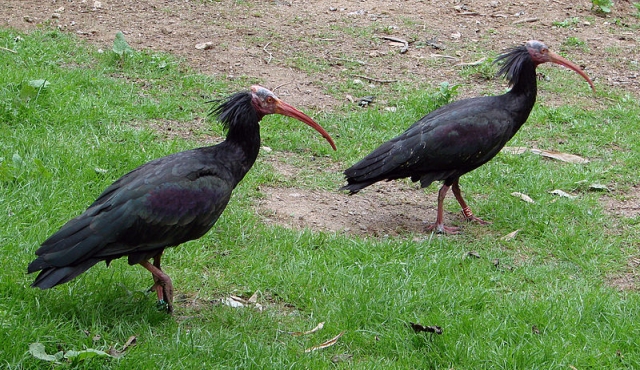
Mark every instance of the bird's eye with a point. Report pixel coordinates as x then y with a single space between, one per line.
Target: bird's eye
269 100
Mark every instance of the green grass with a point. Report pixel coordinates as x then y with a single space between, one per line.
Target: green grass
62 145
567 22
574 43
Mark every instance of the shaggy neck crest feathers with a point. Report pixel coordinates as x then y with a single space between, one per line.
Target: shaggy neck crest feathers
513 60
236 108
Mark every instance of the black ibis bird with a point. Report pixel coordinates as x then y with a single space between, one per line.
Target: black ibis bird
165 202
462 136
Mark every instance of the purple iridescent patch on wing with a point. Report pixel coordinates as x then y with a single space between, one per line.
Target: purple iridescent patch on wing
178 203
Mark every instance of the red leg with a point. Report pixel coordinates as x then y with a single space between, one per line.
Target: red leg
466 211
438 226
157 283
161 282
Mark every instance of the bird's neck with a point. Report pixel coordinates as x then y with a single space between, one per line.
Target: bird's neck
522 95
246 140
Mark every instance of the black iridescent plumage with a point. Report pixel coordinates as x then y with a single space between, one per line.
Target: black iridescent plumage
461 136
513 60
165 202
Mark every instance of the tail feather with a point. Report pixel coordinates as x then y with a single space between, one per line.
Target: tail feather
52 276
356 187
367 168
69 234
382 164
70 254
67 253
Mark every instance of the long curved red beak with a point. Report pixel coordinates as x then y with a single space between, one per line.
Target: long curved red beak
555 58
288 110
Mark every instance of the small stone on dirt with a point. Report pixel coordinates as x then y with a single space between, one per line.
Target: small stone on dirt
204 45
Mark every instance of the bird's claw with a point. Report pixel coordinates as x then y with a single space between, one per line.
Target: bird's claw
477 219
163 305
441 229
469 216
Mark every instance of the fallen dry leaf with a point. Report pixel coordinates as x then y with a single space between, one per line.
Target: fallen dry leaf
117 354
564 157
524 197
130 342
253 298
563 194
326 344
511 235
514 149
299 333
237 302
234 301
473 254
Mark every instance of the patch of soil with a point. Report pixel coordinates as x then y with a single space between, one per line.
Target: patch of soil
191 304
628 280
384 209
627 206
306 47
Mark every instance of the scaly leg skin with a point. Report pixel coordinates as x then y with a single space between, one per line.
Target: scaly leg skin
162 283
466 211
438 226
157 284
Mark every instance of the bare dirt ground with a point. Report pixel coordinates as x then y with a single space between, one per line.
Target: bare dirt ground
281 43
266 40
388 209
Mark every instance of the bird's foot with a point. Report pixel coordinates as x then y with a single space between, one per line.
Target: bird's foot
161 283
168 295
468 215
441 229
165 296
161 305
477 219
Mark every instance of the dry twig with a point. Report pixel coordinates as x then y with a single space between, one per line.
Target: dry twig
375 79
443 56
470 64
525 20
9 50
283 84
404 49
350 61
267 51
